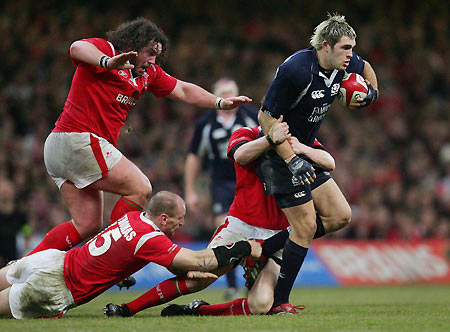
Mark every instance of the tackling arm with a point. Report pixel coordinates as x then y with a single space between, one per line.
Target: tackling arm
211 259
284 149
197 96
300 168
320 157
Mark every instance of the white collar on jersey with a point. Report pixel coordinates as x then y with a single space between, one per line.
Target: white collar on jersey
148 221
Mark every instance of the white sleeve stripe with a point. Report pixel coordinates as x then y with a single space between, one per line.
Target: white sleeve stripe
112 48
144 239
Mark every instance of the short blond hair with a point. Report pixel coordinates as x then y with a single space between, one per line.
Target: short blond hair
332 30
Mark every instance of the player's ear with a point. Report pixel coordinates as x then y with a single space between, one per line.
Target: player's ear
325 46
164 217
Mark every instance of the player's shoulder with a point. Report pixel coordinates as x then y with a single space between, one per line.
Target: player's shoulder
301 59
298 66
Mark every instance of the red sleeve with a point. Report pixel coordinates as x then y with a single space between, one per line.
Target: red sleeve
159 249
162 83
103 45
242 134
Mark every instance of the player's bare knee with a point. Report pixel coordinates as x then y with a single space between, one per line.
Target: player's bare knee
261 304
143 193
345 217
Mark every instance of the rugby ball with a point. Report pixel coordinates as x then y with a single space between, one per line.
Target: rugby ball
352 86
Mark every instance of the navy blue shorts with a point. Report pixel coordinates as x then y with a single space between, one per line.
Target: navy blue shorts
222 196
303 195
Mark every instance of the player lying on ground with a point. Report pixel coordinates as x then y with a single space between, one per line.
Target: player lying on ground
258 217
50 282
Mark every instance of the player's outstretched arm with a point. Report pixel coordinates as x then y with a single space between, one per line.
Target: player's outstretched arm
197 96
84 51
320 157
211 259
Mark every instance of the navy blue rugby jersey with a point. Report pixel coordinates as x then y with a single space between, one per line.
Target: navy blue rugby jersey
211 138
303 95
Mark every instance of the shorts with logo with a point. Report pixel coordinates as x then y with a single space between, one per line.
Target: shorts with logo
38 286
233 229
81 158
280 182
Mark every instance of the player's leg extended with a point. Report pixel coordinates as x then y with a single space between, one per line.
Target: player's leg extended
127 180
303 221
164 292
331 206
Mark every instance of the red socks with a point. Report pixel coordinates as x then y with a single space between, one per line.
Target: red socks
237 307
164 292
123 206
62 237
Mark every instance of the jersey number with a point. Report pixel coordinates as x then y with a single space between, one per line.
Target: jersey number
97 251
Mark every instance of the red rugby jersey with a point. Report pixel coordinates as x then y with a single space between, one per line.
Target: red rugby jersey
99 99
250 203
119 251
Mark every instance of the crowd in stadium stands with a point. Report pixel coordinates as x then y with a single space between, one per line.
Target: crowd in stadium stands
392 159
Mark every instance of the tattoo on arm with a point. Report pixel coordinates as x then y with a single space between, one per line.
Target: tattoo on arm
206 264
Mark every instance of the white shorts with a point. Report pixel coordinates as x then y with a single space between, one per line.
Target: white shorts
38 286
233 229
81 158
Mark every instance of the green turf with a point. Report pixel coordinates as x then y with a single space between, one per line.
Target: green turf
412 308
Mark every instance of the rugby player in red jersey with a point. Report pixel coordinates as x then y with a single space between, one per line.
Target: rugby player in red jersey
80 153
50 282
252 215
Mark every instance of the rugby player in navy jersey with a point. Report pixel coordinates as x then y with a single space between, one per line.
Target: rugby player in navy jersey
304 87
210 142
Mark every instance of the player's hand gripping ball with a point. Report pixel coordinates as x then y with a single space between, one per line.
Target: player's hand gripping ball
353 86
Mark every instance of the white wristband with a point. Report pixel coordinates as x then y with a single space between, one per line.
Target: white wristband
104 61
219 105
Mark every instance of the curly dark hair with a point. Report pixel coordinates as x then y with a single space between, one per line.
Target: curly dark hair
137 34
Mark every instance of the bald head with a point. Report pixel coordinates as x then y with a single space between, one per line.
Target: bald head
164 202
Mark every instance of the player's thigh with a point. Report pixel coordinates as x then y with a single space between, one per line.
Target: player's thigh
260 296
301 216
125 179
85 206
329 201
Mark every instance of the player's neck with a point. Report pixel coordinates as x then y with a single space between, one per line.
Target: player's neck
323 64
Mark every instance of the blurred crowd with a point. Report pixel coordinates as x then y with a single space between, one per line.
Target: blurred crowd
392 160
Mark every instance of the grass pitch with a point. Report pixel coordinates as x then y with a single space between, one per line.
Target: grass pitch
368 309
